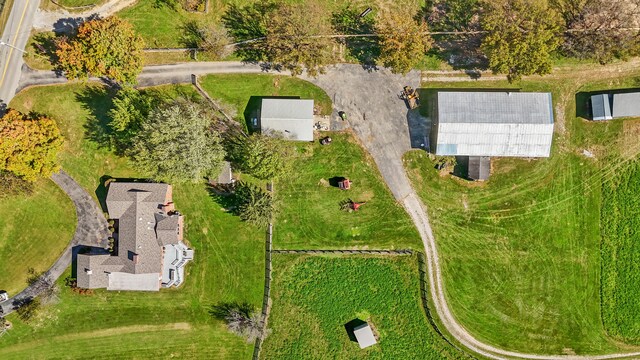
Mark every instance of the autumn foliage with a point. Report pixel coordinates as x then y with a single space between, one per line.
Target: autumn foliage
102 47
28 146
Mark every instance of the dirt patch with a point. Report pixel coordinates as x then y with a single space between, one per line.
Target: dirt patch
323 182
366 196
630 136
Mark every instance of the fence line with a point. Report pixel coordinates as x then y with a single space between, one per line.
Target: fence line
266 301
366 252
72 8
196 83
424 296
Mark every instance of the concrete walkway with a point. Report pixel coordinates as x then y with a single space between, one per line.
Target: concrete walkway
91 230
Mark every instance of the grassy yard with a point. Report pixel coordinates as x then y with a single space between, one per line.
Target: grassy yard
311 215
228 264
315 297
34 230
244 91
521 253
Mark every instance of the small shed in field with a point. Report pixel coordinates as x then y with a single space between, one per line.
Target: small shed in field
615 105
479 168
626 105
364 335
293 118
600 107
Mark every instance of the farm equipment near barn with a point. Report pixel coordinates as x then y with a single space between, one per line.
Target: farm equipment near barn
410 97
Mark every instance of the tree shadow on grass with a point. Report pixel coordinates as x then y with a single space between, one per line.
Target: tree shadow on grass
97 100
228 200
221 310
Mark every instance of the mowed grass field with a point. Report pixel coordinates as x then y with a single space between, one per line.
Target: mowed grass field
620 221
228 265
311 217
34 231
521 252
314 297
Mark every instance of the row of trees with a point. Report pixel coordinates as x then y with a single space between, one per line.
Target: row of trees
520 37
514 37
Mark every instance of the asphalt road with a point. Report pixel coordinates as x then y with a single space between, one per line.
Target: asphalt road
16 34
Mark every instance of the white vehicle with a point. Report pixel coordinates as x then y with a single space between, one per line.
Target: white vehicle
4 296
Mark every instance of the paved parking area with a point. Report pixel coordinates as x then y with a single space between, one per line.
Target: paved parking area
379 118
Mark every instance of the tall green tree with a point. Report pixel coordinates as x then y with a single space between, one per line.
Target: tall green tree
403 40
521 36
178 143
29 145
265 157
255 205
106 47
288 36
130 110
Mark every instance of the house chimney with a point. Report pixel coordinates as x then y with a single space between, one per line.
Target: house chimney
88 271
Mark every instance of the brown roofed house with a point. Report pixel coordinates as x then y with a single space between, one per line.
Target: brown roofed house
150 251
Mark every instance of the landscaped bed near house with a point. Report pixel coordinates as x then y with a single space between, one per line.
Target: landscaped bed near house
34 231
314 297
311 215
228 265
521 253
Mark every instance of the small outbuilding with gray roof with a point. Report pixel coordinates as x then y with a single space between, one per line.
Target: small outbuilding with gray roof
615 106
364 335
293 118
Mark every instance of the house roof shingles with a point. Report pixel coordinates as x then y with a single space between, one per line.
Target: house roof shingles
143 228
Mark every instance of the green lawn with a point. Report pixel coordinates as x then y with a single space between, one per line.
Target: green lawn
311 215
238 90
34 230
521 253
228 266
314 298
620 254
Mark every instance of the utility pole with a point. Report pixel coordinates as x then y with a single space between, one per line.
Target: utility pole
11 46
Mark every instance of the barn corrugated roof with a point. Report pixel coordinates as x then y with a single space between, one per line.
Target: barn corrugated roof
494 124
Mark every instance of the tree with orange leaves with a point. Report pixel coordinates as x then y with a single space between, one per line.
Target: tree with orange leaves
28 146
106 47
